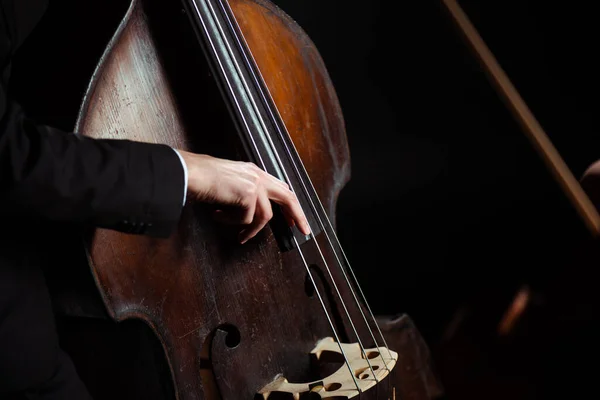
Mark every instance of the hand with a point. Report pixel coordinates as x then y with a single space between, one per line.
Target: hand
244 190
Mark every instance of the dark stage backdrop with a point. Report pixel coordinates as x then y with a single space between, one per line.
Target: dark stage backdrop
448 203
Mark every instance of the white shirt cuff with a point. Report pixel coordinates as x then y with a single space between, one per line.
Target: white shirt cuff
185 175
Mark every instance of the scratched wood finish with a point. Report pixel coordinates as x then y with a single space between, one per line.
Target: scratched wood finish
246 307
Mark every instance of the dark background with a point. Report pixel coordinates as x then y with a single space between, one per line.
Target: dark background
449 210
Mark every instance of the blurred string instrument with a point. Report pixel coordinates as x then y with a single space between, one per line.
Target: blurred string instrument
283 316
574 189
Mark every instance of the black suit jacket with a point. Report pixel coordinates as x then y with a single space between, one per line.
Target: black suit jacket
53 184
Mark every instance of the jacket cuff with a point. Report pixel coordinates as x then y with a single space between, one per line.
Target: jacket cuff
161 211
185 175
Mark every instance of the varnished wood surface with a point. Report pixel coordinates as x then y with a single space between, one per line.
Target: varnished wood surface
308 103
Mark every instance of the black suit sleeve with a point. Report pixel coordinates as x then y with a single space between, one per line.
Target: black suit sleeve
117 184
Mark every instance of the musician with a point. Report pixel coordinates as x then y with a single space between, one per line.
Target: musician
50 178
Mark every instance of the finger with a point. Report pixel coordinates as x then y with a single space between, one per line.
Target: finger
265 176
290 204
286 214
247 209
262 215
276 180
288 219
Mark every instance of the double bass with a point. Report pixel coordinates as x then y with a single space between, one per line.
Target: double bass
282 316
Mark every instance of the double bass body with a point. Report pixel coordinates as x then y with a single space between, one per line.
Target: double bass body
232 318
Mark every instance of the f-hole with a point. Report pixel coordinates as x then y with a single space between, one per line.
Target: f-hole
209 383
329 296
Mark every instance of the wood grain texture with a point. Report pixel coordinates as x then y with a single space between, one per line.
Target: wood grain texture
300 86
246 308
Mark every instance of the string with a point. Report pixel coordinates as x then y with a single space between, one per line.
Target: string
267 106
322 225
223 37
286 176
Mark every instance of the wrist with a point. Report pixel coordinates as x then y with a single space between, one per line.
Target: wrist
196 179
